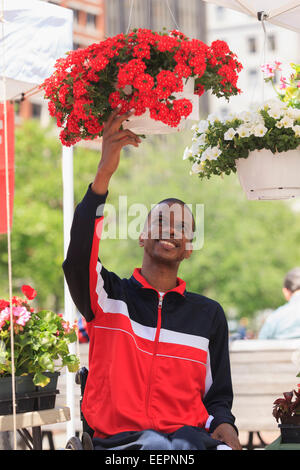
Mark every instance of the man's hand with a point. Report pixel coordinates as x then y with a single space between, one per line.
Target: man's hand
227 434
114 139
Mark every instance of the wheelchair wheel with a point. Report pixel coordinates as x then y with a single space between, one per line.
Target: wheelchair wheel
74 443
87 442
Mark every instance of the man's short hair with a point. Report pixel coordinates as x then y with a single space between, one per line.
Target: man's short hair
292 280
173 200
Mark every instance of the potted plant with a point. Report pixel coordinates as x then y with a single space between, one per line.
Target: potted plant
287 411
144 71
41 340
262 145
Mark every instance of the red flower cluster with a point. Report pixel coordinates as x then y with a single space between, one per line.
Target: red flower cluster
141 70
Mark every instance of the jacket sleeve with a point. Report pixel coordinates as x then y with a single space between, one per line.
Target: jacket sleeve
88 281
219 394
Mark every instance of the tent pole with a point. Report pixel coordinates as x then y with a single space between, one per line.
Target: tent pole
69 311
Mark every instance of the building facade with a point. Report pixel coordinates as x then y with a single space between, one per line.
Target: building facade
245 37
88 27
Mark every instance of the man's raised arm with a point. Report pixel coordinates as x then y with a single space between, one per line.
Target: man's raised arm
82 267
114 140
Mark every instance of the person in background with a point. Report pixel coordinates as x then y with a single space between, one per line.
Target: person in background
284 323
83 336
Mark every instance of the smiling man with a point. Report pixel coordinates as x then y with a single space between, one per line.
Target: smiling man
159 372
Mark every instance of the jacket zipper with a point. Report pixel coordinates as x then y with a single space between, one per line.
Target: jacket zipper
158 327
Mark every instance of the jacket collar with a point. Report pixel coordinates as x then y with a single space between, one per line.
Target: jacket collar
295 296
180 288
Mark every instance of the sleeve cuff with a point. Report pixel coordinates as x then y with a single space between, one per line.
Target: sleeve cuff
213 422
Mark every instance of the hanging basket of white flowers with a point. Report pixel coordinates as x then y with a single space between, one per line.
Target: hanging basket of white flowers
262 146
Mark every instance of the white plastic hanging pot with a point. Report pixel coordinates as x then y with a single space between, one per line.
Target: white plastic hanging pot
264 175
144 124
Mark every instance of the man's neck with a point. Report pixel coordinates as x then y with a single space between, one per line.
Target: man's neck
161 277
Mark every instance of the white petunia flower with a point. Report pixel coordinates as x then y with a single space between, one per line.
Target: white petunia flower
275 112
287 122
197 167
293 113
203 126
206 154
229 135
213 153
296 129
195 147
243 131
245 116
260 130
201 139
187 153
212 118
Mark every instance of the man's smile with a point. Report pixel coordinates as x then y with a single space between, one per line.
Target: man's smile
167 244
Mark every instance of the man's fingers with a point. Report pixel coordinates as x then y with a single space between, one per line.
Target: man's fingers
125 133
127 140
112 115
118 120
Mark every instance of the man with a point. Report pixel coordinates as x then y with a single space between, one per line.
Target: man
159 372
284 323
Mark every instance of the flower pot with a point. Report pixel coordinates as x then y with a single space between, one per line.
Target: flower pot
264 175
144 124
28 396
290 432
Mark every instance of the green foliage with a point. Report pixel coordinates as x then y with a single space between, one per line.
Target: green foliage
37 232
248 245
41 340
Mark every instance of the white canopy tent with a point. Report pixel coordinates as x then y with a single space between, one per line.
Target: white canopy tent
34 35
284 13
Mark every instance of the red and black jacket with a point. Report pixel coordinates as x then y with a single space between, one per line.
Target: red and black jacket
154 362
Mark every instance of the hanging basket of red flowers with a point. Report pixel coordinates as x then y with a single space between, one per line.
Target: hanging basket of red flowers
144 71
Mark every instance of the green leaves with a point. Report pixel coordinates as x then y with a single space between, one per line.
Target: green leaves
40 380
38 346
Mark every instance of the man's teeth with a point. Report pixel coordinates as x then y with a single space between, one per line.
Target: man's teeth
167 243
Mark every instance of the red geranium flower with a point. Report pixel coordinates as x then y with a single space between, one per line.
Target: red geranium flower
141 70
29 292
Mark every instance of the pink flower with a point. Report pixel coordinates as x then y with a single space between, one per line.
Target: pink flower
268 70
4 316
277 65
22 315
282 85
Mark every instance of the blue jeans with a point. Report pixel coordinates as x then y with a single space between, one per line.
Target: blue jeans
185 438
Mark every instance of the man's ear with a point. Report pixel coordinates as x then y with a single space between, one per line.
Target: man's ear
188 250
287 293
141 239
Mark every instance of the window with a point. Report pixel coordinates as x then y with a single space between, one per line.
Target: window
75 16
252 46
220 12
252 75
36 110
272 42
91 20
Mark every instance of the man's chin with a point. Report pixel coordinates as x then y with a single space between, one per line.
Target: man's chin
165 253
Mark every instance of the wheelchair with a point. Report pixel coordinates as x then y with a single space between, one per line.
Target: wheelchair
85 443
